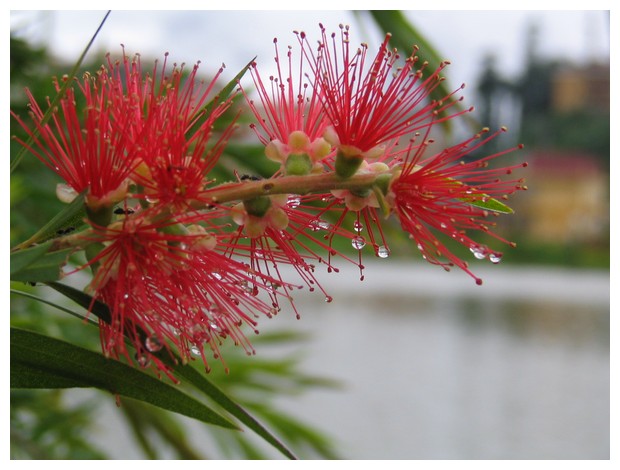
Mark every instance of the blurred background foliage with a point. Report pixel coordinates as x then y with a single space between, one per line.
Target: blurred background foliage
562 116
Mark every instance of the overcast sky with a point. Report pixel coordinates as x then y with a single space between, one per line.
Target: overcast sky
234 37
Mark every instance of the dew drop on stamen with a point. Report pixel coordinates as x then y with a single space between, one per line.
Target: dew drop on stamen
383 252
293 202
195 350
495 257
358 242
153 343
478 251
357 226
142 359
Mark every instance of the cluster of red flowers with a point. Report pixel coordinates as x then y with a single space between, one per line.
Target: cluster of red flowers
183 263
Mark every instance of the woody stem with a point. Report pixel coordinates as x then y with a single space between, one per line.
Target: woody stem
288 185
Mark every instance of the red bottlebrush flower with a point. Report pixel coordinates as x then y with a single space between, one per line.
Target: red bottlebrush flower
177 148
130 119
450 194
292 120
89 150
369 107
166 285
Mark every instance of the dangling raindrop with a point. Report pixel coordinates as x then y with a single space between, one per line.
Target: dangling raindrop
142 359
495 257
478 251
153 343
357 226
319 224
383 251
293 201
358 242
195 350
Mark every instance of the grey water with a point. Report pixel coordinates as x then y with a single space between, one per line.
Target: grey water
434 367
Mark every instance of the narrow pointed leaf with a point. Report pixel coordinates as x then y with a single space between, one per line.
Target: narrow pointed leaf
53 304
404 36
97 308
39 361
72 216
209 389
221 96
490 204
46 268
21 259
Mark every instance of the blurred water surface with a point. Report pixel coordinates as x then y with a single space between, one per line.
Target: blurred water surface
435 367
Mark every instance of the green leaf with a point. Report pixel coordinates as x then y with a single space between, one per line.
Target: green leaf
208 108
97 308
39 361
21 259
489 204
72 216
209 389
53 304
45 268
404 36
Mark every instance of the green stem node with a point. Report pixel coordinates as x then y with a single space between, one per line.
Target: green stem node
298 164
346 165
257 206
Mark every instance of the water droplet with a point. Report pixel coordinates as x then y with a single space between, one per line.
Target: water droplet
293 201
495 257
479 251
383 251
142 360
153 343
195 350
319 224
443 226
357 226
358 242
328 298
